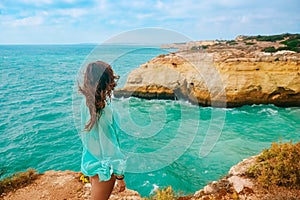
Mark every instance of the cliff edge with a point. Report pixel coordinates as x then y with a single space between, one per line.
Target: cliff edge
221 74
61 185
58 185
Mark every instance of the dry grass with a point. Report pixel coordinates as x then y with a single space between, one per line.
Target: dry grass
280 193
168 193
163 194
17 180
278 166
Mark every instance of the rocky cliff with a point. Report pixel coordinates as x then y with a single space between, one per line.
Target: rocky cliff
222 75
57 185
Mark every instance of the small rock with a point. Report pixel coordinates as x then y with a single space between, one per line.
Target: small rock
242 167
199 193
239 183
211 188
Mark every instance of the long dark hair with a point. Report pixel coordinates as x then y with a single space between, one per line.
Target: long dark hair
98 84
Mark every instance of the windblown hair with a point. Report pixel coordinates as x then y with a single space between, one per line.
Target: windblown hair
98 84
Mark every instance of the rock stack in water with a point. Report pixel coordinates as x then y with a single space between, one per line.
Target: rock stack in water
223 78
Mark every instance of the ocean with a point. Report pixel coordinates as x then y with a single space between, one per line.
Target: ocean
172 142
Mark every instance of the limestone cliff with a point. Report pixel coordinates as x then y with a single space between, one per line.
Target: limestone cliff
221 76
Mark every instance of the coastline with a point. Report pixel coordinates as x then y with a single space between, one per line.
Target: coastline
237 184
243 71
277 93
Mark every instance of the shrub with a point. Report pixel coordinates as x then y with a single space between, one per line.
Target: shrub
231 42
164 194
204 46
195 48
17 180
283 48
279 165
249 43
296 49
292 44
270 38
269 49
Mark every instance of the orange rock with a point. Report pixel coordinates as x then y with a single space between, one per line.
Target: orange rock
219 79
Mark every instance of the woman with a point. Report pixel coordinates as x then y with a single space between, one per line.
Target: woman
102 159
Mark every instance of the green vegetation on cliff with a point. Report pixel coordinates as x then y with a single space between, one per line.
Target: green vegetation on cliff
277 169
272 38
279 165
164 194
17 180
269 49
231 42
291 41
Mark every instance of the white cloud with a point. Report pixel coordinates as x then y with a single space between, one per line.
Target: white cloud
245 19
36 2
46 2
28 21
44 13
102 5
137 4
72 12
159 5
41 2
229 3
200 19
180 9
69 1
219 19
143 16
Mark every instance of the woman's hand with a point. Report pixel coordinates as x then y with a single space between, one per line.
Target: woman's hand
121 185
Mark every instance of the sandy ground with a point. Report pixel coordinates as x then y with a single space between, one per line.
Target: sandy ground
62 185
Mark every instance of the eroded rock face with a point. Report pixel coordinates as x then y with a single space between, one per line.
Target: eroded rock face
173 76
235 185
230 79
240 183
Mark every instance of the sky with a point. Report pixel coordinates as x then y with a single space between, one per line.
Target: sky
96 21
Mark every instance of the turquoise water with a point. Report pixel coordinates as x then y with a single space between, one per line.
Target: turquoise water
37 128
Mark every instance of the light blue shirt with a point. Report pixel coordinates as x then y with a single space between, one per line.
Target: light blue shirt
101 149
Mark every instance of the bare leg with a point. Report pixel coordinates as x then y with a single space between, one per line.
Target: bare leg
102 190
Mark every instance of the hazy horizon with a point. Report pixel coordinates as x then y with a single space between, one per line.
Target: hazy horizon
95 21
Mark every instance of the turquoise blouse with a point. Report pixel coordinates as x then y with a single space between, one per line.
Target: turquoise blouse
101 149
